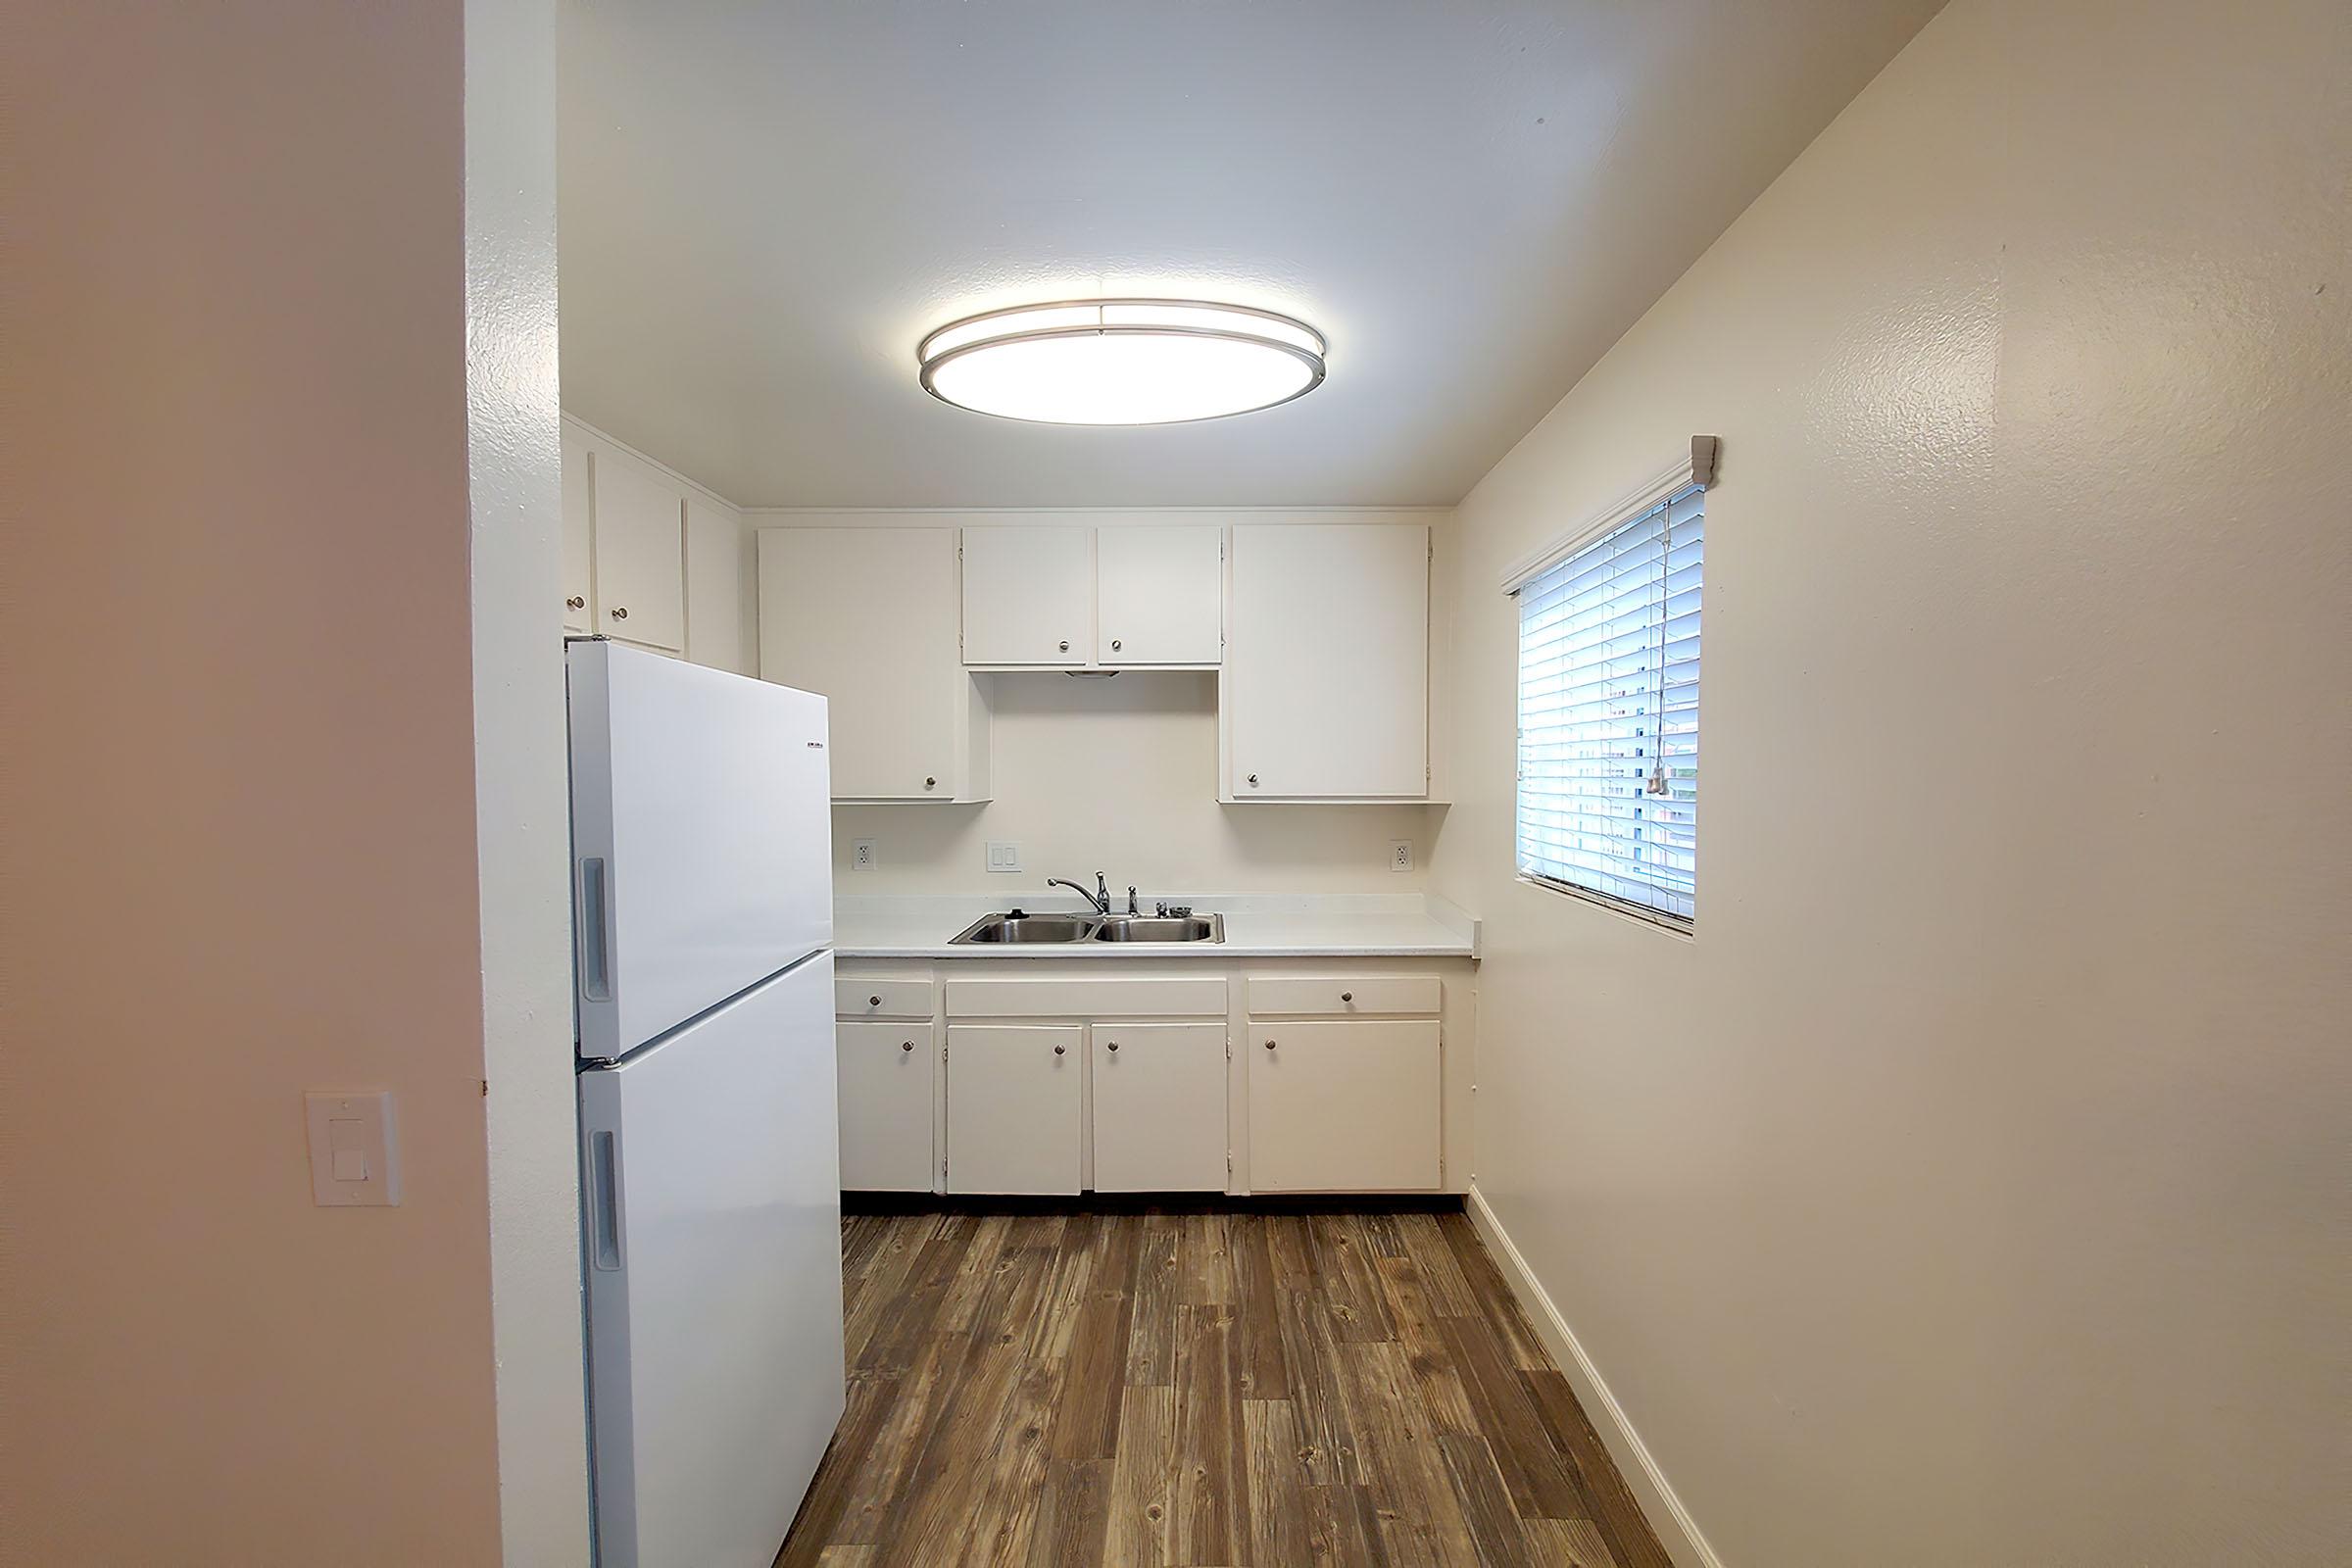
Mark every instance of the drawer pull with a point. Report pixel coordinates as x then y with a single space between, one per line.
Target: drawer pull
1346 995
873 1001
905 1044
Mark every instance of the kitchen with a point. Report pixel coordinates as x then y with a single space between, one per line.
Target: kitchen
908 784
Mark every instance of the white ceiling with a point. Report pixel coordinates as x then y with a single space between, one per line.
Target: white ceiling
763 206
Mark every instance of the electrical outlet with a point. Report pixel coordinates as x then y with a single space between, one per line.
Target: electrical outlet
1006 857
862 854
1400 854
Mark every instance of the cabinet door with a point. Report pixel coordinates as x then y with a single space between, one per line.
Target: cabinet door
887 1090
1343 1106
1159 593
1327 662
579 536
640 553
713 585
1013 1107
1028 596
866 616
1160 1108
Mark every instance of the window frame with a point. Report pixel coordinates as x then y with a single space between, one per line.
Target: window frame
1694 472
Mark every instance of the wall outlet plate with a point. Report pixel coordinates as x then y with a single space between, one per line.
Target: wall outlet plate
1400 854
1005 857
862 854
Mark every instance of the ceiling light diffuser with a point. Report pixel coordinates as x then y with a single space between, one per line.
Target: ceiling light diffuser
1122 362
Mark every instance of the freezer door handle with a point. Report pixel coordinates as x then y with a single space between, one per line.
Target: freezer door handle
604 1202
596 939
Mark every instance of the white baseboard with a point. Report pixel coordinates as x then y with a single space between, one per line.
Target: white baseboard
1677 1531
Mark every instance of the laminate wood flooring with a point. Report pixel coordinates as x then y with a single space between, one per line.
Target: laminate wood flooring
1210 1386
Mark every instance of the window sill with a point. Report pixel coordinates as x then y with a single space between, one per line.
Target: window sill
1624 908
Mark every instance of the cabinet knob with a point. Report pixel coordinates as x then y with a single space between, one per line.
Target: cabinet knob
1117 645
576 602
1269 1044
1253 781
1114 1045
1346 995
873 1001
620 611
930 782
1059 1049
905 1044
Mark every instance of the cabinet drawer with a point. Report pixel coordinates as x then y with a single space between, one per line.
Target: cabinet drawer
1156 998
887 1089
881 998
1344 995
1343 1106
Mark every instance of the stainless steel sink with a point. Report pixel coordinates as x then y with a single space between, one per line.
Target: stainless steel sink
1161 928
1020 927
1066 929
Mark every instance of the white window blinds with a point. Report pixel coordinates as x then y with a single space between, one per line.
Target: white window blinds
1608 714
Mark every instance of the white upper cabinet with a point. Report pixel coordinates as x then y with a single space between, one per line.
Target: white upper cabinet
714 585
640 523
1074 598
1028 596
1326 684
866 616
579 509
1158 596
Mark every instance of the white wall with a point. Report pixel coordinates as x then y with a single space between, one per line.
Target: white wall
248 637
1121 774
1971 1189
522 787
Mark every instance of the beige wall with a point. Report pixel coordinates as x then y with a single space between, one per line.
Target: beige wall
242 785
1121 774
1971 1189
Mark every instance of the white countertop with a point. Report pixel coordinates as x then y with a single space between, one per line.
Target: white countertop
1257 925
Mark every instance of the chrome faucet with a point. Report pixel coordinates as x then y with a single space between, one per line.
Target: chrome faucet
1100 898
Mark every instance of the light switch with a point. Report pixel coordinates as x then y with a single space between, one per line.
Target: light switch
352 1149
1003 857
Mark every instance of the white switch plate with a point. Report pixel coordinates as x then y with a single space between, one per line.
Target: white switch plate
1400 854
355 1161
1006 857
862 854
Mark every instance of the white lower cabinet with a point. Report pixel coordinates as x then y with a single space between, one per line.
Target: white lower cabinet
1153 1076
1343 1104
1160 1108
1013 1099
887 1089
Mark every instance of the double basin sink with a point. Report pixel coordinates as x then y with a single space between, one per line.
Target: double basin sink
1017 926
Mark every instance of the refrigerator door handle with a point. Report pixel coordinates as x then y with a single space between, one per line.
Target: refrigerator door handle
595 936
604 1199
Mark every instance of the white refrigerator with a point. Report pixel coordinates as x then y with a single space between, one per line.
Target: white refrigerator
710 1190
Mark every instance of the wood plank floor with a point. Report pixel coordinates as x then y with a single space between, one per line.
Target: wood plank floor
1212 1386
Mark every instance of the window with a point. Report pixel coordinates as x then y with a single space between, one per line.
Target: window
1608 713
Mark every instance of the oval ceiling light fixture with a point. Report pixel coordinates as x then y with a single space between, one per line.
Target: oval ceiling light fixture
1122 362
